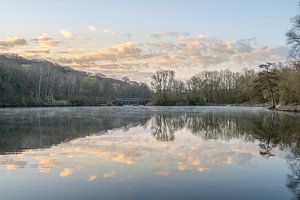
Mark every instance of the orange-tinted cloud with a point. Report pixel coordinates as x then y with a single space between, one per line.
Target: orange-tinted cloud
66 172
46 40
13 41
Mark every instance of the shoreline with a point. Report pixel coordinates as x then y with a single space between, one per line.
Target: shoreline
280 108
150 105
288 108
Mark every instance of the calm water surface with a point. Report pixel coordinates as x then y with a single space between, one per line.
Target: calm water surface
149 153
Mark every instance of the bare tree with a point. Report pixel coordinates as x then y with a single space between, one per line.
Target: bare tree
161 83
293 37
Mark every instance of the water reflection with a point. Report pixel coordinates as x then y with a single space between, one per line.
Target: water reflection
98 144
22 129
293 178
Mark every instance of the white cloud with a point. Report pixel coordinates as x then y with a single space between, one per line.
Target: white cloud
92 28
69 35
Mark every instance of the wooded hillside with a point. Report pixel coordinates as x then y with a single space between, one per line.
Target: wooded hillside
25 82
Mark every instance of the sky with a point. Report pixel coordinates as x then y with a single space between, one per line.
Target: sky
135 38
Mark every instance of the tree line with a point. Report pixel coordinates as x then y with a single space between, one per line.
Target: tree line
272 84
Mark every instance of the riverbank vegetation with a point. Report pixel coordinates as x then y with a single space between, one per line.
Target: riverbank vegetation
274 84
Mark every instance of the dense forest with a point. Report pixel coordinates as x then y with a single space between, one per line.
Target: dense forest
26 82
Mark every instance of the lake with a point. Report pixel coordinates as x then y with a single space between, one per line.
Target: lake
149 153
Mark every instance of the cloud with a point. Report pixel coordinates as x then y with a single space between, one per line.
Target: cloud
46 40
66 172
13 41
204 51
261 55
92 28
244 45
67 34
184 53
110 174
109 31
196 43
92 178
71 36
201 36
11 164
45 164
35 52
113 53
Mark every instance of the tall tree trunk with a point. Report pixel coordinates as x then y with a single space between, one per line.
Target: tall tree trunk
271 92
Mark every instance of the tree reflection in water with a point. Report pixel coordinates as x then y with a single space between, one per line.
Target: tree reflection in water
265 135
293 178
270 129
293 160
165 126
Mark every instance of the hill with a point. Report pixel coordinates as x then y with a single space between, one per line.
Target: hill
30 82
